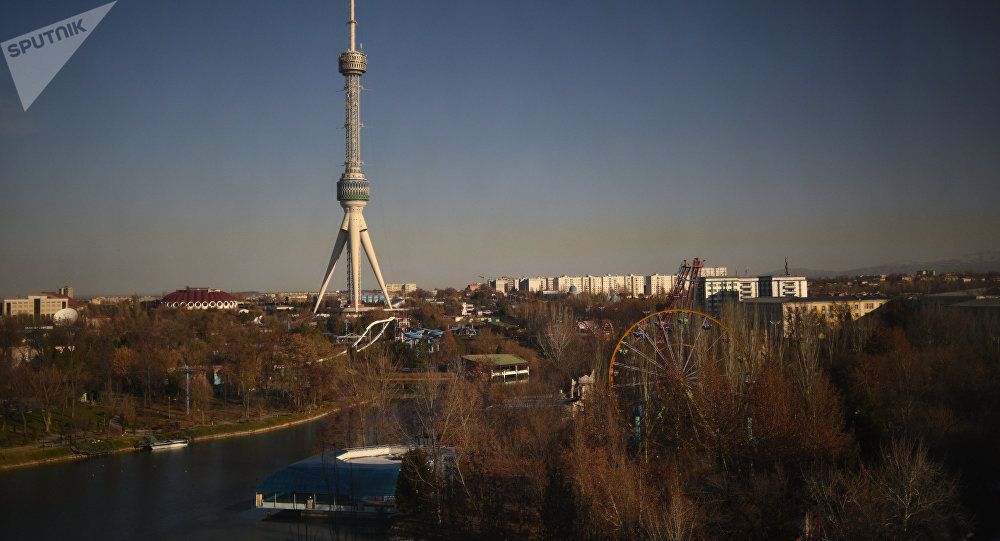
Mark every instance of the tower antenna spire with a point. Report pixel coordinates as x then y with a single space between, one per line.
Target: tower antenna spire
352 188
352 24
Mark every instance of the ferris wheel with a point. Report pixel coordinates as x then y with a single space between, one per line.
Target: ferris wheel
663 358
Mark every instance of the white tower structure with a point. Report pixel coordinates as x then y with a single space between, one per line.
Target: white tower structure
352 188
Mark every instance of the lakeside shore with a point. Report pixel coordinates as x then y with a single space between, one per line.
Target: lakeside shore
28 456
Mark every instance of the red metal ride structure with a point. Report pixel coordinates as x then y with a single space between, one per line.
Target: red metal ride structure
685 285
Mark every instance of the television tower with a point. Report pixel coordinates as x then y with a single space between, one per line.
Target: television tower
352 188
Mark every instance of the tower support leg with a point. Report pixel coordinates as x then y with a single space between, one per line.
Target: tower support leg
366 242
338 248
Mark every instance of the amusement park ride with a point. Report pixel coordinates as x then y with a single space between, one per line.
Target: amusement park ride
664 355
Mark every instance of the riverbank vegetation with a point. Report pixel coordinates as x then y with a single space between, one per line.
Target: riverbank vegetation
131 369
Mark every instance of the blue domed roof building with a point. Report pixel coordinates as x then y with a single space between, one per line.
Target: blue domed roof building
361 480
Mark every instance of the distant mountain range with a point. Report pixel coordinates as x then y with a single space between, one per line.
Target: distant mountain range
978 262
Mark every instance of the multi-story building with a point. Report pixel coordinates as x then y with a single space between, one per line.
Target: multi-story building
786 313
635 285
532 285
612 284
659 284
400 289
749 287
714 271
590 284
602 285
783 286
503 284
38 305
563 283
714 290
712 282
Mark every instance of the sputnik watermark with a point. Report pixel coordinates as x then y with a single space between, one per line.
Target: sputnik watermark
36 57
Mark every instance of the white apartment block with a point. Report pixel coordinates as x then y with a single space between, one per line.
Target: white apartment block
563 283
602 285
533 285
749 287
783 286
713 283
715 290
714 271
612 284
635 285
659 284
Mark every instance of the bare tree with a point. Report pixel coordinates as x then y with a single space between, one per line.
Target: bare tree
555 338
905 495
370 379
917 497
47 386
444 411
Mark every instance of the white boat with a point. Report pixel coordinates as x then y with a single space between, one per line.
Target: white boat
154 444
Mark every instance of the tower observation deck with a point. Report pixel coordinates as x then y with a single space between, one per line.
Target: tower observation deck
353 190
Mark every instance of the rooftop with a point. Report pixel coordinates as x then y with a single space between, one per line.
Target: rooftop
497 359
826 298
335 480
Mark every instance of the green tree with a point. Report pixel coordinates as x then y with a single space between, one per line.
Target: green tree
415 487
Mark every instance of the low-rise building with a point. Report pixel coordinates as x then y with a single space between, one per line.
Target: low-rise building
200 298
501 366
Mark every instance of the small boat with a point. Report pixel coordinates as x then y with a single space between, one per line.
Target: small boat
154 444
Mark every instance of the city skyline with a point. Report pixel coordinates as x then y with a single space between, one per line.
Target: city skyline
200 144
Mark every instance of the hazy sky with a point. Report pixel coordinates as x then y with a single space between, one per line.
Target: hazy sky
199 142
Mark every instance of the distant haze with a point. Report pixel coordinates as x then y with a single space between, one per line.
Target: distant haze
198 143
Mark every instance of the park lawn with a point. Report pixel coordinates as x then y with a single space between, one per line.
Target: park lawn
88 417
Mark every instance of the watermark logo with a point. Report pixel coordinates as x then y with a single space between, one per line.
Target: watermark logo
36 57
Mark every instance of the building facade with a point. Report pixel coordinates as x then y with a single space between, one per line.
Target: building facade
714 271
200 298
38 305
501 367
635 285
659 284
788 313
400 289
783 286
714 291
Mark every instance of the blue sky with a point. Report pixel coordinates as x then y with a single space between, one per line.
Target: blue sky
198 143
